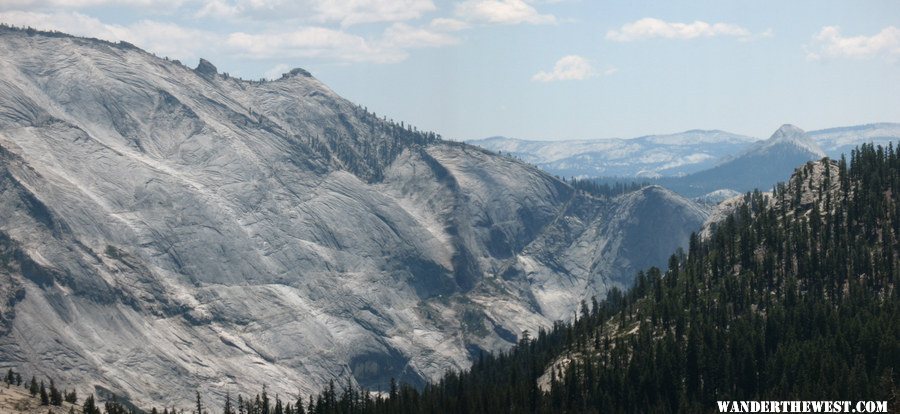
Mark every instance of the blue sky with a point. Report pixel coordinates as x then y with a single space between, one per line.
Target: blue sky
537 69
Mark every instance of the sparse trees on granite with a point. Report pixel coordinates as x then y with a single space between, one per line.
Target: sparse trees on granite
56 397
228 408
90 407
71 397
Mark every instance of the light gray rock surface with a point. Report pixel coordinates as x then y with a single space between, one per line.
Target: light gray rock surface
165 229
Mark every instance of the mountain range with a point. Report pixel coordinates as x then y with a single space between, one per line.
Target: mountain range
712 165
165 229
647 157
760 166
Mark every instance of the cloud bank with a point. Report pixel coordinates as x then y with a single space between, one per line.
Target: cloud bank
651 28
829 43
571 67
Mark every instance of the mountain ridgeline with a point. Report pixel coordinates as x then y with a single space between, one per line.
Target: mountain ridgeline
760 166
711 165
791 297
165 227
635 158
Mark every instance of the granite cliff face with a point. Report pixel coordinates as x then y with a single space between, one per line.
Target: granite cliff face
165 228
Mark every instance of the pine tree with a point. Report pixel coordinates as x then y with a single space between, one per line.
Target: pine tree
279 409
33 388
18 379
55 396
45 399
264 409
228 408
199 406
71 397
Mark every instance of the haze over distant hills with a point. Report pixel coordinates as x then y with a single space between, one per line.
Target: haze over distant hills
837 141
759 166
694 163
648 156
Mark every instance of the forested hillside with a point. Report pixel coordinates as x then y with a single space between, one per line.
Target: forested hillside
791 298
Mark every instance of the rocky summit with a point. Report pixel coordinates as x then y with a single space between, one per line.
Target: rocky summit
165 229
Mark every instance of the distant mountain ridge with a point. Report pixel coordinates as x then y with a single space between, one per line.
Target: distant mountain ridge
841 140
647 156
696 163
667 154
759 166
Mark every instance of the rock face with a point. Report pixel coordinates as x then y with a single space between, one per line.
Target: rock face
206 68
163 230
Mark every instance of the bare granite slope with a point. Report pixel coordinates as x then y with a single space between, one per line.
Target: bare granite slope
164 229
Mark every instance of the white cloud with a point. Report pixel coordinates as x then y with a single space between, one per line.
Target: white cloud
349 12
276 71
166 39
345 12
501 12
572 67
78 4
830 44
648 28
169 39
219 8
324 43
444 24
402 35
311 42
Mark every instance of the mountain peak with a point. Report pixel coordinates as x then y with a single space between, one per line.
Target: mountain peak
788 131
206 68
792 135
299 72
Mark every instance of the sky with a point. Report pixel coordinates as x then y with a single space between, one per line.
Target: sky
536 69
